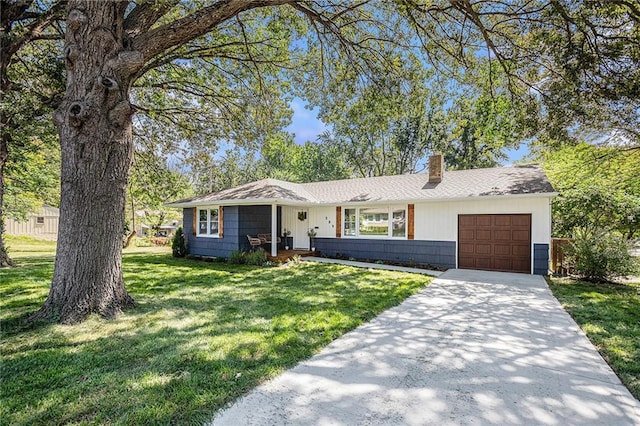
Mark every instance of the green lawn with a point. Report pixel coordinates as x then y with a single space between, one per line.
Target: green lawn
610 316
202 335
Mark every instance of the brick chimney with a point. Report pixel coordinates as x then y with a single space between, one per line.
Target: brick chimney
436 168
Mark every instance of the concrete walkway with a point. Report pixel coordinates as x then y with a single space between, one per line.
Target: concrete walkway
371 265
473 348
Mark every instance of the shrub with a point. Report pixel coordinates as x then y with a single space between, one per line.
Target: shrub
159 241
237 258
599 256
142 242
178 245
258 258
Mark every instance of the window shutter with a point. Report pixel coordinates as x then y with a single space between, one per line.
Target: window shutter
410 230
220 222
195 219
338 222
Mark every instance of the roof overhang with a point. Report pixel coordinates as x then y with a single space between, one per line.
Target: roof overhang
245 202
271 201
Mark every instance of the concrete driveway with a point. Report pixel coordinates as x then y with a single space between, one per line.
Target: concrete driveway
472 348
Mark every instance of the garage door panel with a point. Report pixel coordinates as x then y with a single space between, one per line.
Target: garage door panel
502 235
500 242
468 220
502 250
520 266
521 220
520 235
467 263
466 248
483 220
501 220
502 264
483 263
483 235
467 235
520 250
483 249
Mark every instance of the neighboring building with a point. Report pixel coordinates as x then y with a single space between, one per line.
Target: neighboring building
143 229
494 219
165 230
42 224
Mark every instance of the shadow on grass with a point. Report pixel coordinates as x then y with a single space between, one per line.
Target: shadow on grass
201 335
609 314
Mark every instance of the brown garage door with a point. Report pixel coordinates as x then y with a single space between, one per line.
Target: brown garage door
495 242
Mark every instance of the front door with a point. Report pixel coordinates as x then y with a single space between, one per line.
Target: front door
300 237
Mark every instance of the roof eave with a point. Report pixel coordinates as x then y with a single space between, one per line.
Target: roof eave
236 202
269 201
441 199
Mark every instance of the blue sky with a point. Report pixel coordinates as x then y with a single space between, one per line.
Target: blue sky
306 127
305 124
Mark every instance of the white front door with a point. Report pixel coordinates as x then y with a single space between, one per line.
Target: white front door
300 237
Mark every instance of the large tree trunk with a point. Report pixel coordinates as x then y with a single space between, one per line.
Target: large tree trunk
5 259
94 123
5 138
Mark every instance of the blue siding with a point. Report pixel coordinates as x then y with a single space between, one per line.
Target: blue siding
541 259
215 247
437 253
253 220
238 222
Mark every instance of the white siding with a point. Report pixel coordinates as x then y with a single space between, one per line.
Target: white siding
439 220
31 227
288 218
325 219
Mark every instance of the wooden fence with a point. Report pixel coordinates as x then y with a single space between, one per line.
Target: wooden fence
558 264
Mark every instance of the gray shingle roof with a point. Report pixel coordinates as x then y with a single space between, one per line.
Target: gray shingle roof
497 181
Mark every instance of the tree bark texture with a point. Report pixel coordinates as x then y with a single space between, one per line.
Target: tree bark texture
94 123
5 259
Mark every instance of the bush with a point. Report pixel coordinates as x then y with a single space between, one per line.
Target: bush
142 242
599 256
257 258
159 241
236 258
178 245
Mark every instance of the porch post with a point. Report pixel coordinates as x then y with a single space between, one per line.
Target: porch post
274 230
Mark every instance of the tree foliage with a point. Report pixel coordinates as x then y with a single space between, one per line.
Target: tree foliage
575 65
599 189
385 126
178 244
29 150
600 256
218 69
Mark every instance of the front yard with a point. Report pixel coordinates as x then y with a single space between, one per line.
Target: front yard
609 314
202 335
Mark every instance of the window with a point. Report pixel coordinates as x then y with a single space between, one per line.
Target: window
350 222
208 222
399 223
374 222
40 220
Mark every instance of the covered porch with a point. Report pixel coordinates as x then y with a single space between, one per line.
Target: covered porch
282 229
285 255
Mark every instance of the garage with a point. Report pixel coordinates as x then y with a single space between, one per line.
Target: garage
495 242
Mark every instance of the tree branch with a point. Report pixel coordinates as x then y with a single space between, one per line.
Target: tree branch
34 29
180 31
144 15
11 11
